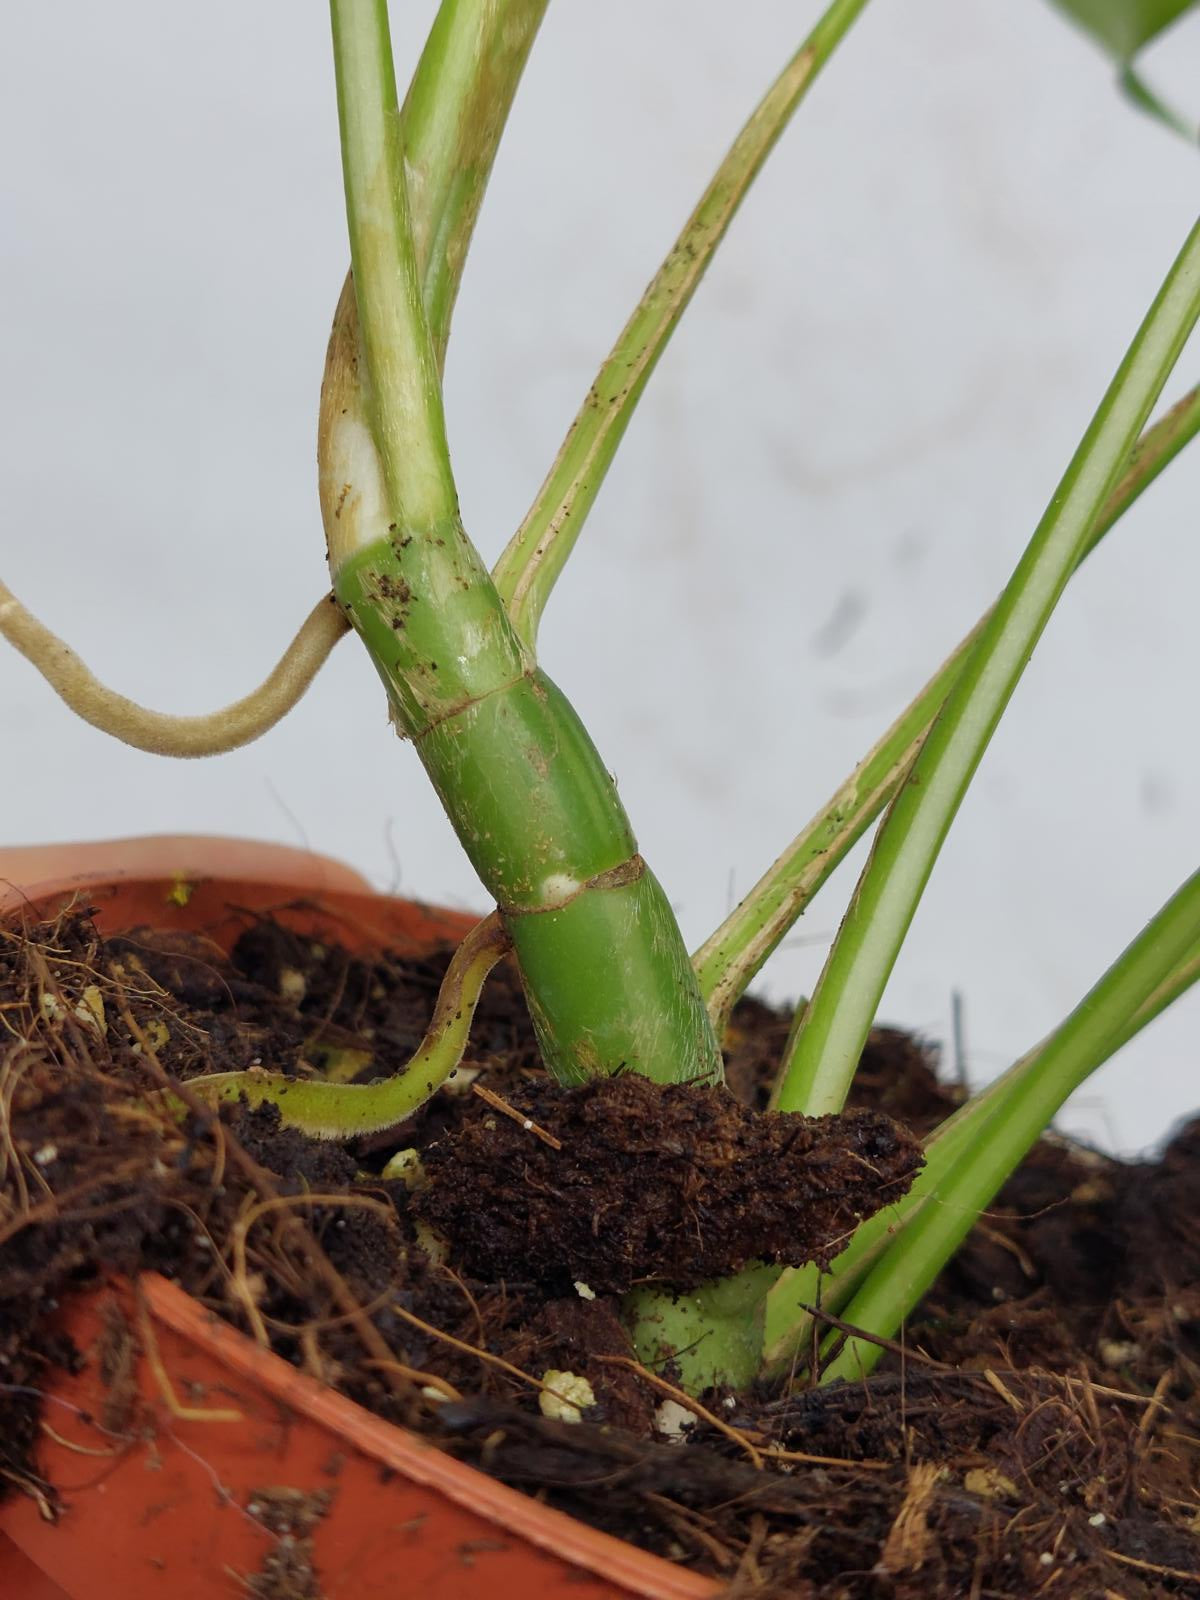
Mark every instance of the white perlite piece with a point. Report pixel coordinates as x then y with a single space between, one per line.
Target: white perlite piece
566 1396
583 1291
293 985
672 1421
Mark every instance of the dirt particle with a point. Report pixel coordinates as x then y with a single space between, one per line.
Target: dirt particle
288 1571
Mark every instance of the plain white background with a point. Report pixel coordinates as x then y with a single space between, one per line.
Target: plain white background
835 468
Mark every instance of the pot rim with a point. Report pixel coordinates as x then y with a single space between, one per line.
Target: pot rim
404 1451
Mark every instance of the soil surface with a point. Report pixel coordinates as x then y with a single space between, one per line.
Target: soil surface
1037 1433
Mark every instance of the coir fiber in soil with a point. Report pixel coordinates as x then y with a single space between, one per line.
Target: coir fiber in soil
1039 1433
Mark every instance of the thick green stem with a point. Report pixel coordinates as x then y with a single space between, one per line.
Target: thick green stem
728 961
713 1335
828 1042
1019 1116
609 981
789 1319
537 553
326 1110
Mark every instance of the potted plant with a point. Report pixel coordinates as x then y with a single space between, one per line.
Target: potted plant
612 991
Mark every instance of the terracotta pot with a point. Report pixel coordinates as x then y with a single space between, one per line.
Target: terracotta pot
168 1513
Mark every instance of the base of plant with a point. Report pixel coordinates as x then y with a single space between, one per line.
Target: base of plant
708 1337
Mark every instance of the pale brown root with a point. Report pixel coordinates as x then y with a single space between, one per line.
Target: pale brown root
156 731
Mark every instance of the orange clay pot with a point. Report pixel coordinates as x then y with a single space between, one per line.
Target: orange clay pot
166 1515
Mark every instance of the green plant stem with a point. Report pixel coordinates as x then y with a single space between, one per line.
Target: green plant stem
451 124
453 118
728 961
537 553
789 1314
326 1110
404 399
828 1041
1020 1115
712 1335
608 978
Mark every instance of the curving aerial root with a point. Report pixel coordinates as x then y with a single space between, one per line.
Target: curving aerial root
158 732
108 1160
325 1110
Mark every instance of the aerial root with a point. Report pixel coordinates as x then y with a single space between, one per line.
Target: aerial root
158 732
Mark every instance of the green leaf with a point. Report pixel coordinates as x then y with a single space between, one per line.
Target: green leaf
1123 27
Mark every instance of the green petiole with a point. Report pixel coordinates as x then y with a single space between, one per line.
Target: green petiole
728 961
1148 974
828 1040
789 1319
536 555
453 117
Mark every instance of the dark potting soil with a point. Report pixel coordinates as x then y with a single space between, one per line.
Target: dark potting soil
678 1185
1038 1433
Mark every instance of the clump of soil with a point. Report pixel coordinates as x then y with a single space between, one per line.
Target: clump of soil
628 1182
1037 1432
287 1571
